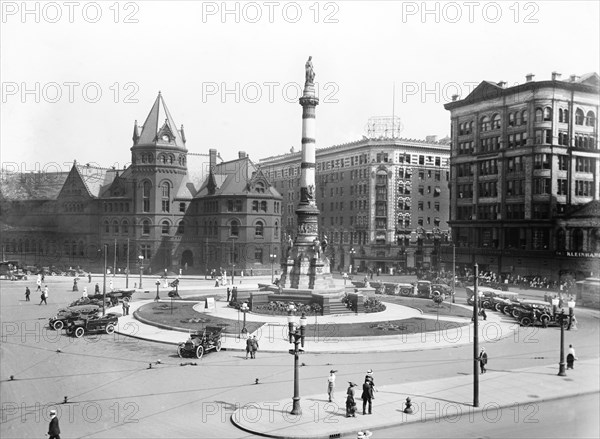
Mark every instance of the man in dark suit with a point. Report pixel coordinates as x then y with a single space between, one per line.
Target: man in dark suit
367 396
53 428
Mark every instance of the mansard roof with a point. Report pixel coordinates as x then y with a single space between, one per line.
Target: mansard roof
236 177
29 186
158 123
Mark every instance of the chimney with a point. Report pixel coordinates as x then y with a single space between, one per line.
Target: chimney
242 154
574 78
454 98
529 77
556 76
502 84
212 159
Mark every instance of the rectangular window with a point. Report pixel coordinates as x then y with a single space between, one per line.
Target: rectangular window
182 207
563 163
561 187
541 186
165 205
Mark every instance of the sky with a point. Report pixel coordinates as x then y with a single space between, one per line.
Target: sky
76 75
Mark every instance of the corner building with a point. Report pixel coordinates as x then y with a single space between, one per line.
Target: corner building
383 202
525 170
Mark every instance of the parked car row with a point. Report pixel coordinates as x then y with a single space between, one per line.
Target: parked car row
527 312
421 288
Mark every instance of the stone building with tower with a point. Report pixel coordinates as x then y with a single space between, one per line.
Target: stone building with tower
525 171
150 213
383 200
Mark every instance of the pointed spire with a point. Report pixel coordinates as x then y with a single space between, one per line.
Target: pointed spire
182 134
151 128
136 136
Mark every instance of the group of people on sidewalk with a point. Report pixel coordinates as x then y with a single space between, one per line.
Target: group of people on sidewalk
367 396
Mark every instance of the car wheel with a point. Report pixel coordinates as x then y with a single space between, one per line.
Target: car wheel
515 313
218 346
110 328
526 321
405 291
180 350
498 307
199 352
58 325
506 310
79 332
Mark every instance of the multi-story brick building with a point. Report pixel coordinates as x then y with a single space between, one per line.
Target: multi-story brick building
383 202
152 211
525 176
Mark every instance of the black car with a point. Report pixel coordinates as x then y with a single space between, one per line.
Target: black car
200 342
65 315
93 324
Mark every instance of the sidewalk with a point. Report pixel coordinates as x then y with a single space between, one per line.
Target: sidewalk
273 336
511 393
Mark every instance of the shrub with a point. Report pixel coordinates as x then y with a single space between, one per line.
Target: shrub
373 305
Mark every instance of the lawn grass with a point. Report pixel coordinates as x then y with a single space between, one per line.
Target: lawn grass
184 316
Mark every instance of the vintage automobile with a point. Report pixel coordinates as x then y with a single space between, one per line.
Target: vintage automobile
491 298
124 295
91 324
441 290
64 315
200 342
423 288
533 312
93 299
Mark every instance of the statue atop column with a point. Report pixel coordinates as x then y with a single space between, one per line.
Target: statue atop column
310 72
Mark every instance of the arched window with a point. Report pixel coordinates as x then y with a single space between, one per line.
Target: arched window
485 123
234 228
145 227
146 196
181 228
590 119
579 117
524 117
166 197
547 114
276 230
165 227
259 229
106 227
115 225
496 121
539 115
511 119
125 226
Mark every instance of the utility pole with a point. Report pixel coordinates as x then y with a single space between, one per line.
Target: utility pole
127 270
476 339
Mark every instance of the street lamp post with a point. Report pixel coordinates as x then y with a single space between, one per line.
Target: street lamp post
127 269
298 339
352 253
273 256
141 261
453 273
244 308
476 337
157 298
291 320
561 365
104 281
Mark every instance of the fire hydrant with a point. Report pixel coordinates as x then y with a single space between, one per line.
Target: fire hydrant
408 409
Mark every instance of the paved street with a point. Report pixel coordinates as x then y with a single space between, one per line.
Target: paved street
111 392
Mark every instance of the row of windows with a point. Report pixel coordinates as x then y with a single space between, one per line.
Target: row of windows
519 118
116 207
421 205
161 158
73 207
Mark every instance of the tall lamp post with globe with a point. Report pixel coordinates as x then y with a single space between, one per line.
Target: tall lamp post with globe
273 257
141 263
297 337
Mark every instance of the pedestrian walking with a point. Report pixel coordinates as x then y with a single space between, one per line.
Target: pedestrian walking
248 346
53 427
89 278
228 293
254 348
43 277
350 401
97 289
571 357
234 294
27 293
483 314
125 308
111 286
367 396
369 377
483 359
331 384
39 283
75 288
44 295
